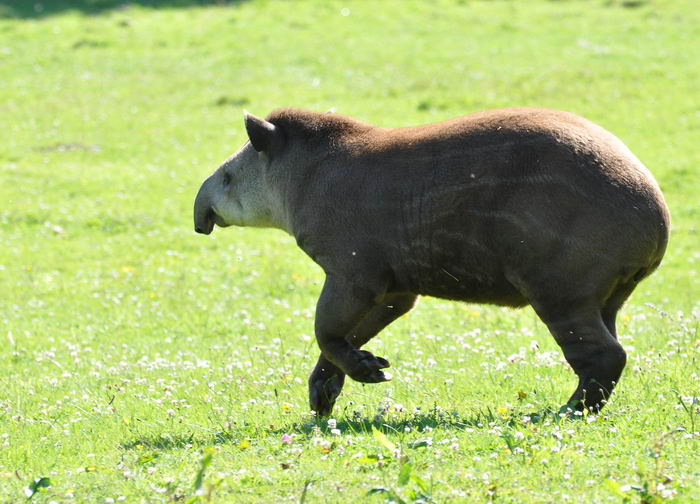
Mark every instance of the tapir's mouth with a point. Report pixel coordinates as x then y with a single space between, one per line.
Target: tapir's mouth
219 221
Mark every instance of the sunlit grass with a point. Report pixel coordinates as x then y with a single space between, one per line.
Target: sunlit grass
144 363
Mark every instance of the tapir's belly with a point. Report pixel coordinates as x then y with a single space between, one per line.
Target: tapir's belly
472 290
455 266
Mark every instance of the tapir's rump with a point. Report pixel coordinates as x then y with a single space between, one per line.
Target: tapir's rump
512 206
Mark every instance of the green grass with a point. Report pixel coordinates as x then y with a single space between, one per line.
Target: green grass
137 356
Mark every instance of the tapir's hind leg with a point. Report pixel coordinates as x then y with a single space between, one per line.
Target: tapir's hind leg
614 303
326 380
592 351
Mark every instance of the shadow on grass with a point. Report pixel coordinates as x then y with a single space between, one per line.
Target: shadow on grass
32 9
436 420
167 442
416 422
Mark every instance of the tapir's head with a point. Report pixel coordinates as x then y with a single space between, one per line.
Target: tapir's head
237 193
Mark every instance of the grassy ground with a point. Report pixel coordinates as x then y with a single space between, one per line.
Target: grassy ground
143 363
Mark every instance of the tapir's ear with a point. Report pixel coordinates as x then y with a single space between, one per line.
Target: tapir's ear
264 136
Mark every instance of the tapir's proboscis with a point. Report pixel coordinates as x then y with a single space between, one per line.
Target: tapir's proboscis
513 207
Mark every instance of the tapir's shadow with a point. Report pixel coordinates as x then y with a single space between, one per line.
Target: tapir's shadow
398 423
434 420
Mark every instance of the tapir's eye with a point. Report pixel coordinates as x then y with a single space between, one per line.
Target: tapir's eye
227 178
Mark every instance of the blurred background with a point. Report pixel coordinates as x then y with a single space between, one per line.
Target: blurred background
112 113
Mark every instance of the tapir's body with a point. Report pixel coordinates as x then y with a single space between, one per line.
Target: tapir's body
510 207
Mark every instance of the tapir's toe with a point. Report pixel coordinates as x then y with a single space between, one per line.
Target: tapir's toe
374 377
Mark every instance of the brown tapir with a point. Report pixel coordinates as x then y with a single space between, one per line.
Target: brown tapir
511 207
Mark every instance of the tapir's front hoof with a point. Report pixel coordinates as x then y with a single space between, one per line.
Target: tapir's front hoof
323 392
368 368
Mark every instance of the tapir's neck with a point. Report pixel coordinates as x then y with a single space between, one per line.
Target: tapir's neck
279 206
282 220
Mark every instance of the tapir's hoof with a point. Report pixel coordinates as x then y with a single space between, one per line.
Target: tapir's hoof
368 368
323 392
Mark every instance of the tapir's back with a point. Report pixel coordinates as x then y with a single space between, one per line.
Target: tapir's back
512 143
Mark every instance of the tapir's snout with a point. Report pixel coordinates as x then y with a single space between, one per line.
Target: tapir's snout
203 212
205 226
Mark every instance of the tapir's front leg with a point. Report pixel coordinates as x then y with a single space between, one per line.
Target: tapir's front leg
341 307
326 380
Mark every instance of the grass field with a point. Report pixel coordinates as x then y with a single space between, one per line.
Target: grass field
143 363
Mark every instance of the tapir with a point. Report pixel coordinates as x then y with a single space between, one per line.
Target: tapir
512 207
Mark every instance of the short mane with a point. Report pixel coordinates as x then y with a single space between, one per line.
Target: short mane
308 125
